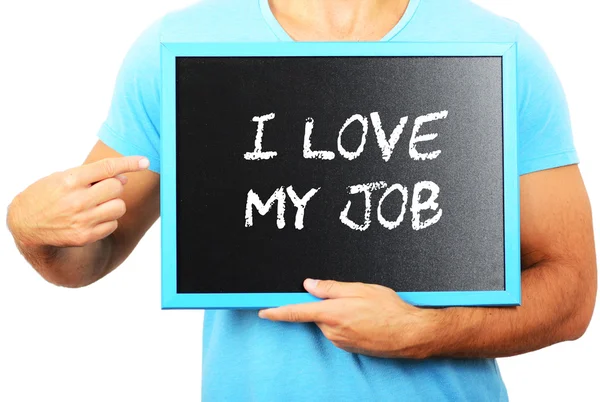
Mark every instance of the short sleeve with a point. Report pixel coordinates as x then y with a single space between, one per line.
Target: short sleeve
544 126
132 126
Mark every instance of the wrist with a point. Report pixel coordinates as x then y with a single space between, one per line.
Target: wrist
455 329
12 223
432 329
419 337
27 244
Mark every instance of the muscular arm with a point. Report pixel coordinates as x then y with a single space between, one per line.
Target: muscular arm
559 283
86 262
559 277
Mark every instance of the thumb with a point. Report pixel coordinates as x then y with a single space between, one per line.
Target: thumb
330 289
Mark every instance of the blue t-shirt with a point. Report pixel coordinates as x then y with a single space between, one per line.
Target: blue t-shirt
248 358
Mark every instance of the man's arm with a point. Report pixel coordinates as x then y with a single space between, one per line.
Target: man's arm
559 278
61 231
559 282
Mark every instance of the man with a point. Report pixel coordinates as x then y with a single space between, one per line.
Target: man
362 342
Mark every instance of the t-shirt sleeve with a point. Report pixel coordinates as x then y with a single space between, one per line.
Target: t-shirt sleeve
544 126
132 126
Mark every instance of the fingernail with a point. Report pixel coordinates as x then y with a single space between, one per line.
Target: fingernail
261 314
311 283
144 163
122 178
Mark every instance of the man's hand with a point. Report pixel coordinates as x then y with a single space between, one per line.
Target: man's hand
364 318
558 282
64 224
73 227
75 207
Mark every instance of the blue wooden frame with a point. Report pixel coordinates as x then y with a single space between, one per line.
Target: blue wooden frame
170 51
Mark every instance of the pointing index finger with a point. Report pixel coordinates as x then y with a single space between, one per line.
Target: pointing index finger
305 312
110 167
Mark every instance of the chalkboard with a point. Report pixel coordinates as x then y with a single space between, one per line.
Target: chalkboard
379 165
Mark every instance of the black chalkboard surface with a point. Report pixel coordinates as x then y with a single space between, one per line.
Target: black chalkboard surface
378 169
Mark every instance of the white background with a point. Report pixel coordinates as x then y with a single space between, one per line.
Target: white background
110 341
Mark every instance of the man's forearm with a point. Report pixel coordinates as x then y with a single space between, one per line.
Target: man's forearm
71 266
555 307
66 266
